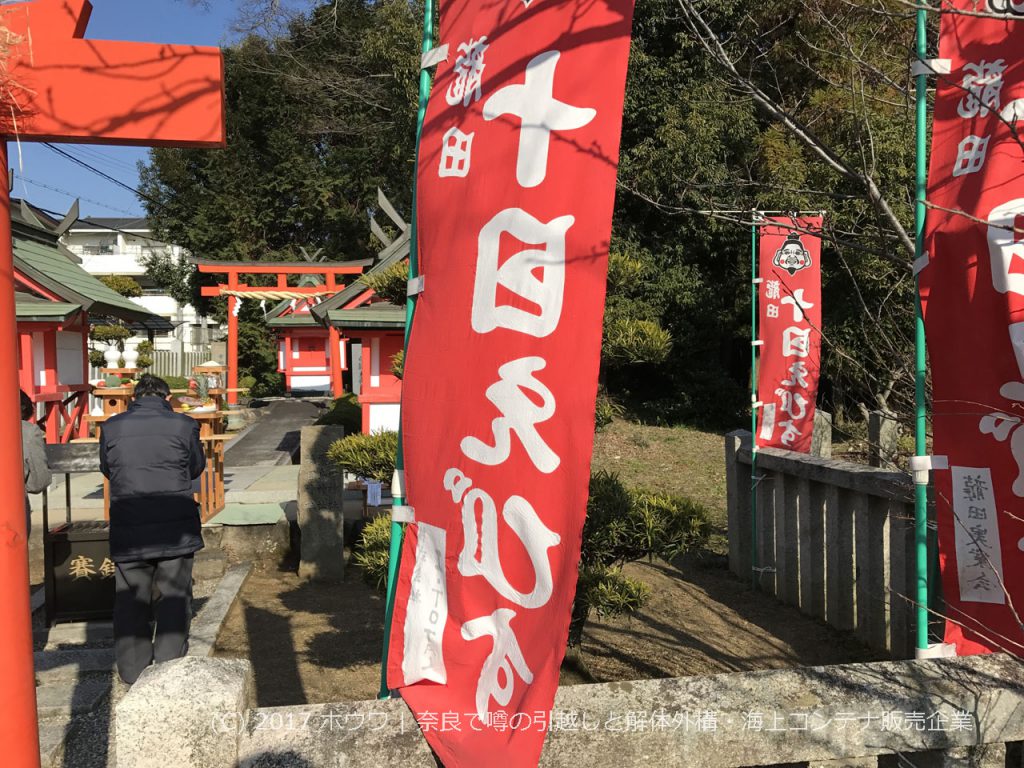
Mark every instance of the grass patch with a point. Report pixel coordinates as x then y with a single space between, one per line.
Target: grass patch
681 461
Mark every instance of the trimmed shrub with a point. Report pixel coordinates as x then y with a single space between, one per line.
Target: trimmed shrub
368 456
375 551
344 412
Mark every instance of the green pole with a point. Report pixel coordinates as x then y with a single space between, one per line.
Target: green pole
754 560
397 530
920 448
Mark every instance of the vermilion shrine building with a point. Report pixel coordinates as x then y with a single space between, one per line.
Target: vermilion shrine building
55 301
367 333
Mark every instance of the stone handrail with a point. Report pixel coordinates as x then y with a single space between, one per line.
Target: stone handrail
833 538
197 713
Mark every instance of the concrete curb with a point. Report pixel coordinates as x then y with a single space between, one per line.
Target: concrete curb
206 626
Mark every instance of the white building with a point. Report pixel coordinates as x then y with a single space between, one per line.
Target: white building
116 246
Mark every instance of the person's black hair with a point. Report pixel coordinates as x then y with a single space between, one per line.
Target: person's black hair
151 386
27 408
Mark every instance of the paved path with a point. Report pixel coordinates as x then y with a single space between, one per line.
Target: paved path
274 438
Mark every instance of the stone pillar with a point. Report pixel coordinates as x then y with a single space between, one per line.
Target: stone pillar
737 481
846 762
188 713
821 441
883 438
320 506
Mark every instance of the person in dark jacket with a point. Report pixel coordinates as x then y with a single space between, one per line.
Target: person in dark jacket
151 455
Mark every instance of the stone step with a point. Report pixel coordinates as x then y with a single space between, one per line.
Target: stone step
53 734
78 633
60 699
209 564
72 665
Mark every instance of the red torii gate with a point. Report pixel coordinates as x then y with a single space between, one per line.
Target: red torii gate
236 291
60 87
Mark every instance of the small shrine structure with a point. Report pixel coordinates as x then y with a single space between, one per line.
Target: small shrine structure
56 301
316 280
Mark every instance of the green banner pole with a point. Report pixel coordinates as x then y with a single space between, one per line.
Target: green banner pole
398 499
754 560
920 361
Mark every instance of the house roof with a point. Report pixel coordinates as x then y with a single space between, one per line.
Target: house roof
46 265
29 308
371 316
394 253
100 222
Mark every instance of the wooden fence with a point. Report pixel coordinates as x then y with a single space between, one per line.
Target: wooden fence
168 363
833 538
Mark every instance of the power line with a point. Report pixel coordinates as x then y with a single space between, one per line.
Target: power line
66 193
96 155
98 172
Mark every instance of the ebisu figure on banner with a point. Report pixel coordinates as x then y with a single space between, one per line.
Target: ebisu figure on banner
792 256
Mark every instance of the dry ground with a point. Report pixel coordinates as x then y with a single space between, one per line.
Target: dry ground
313 643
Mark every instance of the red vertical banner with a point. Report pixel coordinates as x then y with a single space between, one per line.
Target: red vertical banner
972 291
789 329
516 183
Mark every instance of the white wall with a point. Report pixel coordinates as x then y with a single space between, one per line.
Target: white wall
128 248
69 357
384 417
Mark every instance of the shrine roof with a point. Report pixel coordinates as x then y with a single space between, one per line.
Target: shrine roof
295 267
45 264
276 316
395 252
29 308
299 320
370 316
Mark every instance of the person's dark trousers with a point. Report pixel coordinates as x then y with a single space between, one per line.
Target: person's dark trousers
135 611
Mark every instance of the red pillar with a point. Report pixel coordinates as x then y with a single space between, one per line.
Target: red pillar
232 338
335 361
232 349
19 729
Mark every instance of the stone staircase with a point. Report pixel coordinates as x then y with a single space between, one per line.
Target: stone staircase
75 669
74 672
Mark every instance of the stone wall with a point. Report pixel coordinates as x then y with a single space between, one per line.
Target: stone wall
833 538
944 712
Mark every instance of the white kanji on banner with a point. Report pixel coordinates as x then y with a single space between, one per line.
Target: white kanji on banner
480 555
983 85
970 155
519 273
796 342
456 151
469 73
789 433
1006 245
519 414
504 656
798 374
798 303
792 403
540 112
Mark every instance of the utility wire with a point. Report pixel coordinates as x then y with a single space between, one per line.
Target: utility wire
98 172
66 193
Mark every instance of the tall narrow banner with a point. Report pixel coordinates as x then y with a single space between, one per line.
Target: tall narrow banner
972 290
516 183
789 328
